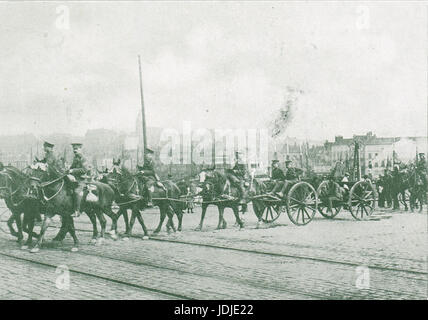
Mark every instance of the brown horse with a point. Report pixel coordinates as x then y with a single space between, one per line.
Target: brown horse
213 184
52 190
17 194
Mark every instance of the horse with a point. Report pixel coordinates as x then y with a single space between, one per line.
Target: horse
213 185
19 198
127 191
51 184
169 203
416 189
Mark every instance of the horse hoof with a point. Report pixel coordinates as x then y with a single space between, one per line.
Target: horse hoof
74 249
35 250
125 239
145 238
94 241
100 241
25 247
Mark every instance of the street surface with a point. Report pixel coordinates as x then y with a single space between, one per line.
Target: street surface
383 258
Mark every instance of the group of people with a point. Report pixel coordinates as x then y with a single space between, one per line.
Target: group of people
394 182
237 176
79 173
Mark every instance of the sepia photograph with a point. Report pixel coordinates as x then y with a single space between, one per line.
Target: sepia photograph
225 151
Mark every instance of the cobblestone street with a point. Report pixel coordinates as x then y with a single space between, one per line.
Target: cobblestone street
383 258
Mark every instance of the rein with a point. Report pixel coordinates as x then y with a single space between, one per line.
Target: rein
46 184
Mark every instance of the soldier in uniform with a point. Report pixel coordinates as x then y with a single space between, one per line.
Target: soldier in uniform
237 177
278 176
291 176
421 168
78 170
148 175
50 158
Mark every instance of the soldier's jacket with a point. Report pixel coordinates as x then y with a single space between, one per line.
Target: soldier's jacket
278 174
79 166
148 168
51 160
239 169
292 173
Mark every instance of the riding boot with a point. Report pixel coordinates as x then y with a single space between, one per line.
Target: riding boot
149 198
76 204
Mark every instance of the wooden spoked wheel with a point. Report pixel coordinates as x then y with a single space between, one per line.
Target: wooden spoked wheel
301 203
362 200
323 192
272 212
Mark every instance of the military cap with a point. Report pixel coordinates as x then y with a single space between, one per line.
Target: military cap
275 161
139 167
76 145
48 145
288 161
347 174
150 151
421 153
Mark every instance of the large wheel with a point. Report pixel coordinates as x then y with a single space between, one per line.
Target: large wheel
301 203
362 200
323 196
272 212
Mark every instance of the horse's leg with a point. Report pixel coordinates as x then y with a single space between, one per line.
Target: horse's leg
107 211
162 217
46 222
220 216
204 211
179 213
238 219
103 222
131 221
170 214
19 223
93 219
403 194
28 226
72 231
138 215
62 231
10 225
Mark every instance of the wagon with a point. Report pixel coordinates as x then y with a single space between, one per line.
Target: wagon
300 203
359 198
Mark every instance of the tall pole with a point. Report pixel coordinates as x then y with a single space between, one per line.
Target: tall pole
143 114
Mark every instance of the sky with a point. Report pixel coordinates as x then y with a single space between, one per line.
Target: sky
70 67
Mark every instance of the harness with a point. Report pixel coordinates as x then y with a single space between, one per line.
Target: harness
10 190
46 184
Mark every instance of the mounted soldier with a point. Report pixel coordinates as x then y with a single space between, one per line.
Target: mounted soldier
237 176
50 158
148 175
78 170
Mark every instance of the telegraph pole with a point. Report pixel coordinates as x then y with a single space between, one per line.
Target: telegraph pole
143 114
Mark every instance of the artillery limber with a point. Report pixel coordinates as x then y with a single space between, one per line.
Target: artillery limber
300 203
358 197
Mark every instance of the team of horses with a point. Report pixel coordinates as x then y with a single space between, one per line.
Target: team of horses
41 189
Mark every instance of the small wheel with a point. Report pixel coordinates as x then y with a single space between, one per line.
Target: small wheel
323 206
301 203
271 213
362 200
